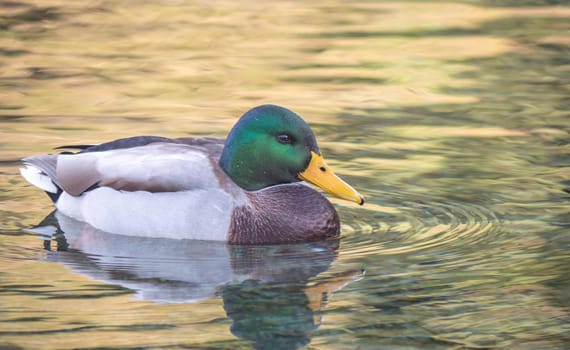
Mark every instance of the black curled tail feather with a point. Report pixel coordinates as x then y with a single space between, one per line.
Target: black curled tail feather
54 196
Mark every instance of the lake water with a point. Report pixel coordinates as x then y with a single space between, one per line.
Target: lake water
451 118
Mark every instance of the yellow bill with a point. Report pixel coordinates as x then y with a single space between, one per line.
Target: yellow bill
319 174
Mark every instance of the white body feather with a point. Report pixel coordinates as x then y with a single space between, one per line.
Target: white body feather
200 208
199 214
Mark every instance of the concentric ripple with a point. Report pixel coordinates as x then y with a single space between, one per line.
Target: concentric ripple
419 226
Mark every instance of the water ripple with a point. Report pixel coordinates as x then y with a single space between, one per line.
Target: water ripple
420 226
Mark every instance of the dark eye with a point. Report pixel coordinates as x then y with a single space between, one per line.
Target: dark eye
285 139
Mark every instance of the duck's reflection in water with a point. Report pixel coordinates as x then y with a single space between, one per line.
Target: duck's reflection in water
269 292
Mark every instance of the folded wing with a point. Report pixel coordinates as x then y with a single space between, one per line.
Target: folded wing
155 167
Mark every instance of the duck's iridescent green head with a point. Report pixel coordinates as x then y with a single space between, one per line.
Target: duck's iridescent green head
272 145
269 145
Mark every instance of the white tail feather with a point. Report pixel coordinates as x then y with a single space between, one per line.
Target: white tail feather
37 178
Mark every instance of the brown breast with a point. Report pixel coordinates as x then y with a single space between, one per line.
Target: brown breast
284 214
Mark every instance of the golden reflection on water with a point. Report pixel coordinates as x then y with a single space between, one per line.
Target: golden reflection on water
175 60
110 321
457 234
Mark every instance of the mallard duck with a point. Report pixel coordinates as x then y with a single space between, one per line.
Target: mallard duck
247 189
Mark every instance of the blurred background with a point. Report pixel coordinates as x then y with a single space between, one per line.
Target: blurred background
452 118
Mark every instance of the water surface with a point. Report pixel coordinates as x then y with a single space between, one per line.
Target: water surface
451 118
